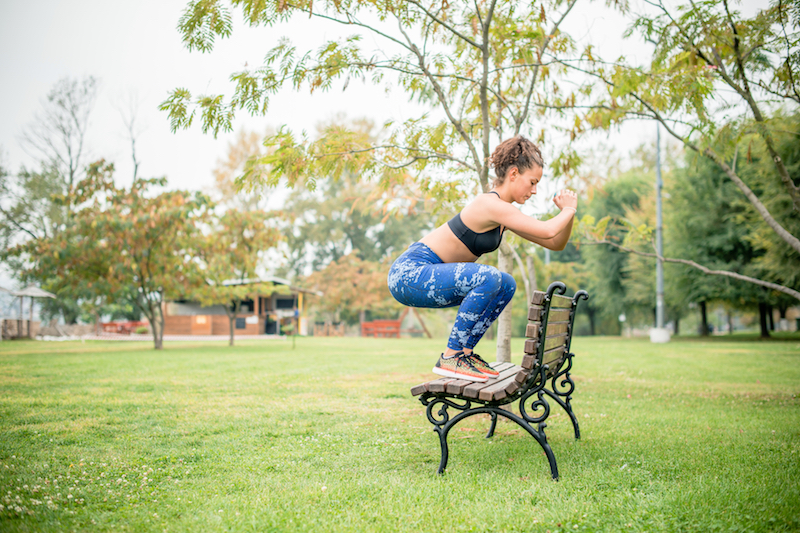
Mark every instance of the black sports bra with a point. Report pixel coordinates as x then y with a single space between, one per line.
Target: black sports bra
477 243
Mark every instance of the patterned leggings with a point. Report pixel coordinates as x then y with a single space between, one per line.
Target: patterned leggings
418 278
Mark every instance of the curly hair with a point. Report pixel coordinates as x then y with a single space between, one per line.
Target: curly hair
514 152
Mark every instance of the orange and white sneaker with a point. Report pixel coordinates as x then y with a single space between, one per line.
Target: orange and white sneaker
478 362
458 366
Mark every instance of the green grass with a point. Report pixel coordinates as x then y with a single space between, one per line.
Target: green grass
700 435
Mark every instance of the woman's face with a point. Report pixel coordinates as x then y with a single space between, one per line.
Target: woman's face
525 183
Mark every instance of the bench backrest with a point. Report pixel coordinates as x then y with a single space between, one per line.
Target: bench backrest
548 334
381 328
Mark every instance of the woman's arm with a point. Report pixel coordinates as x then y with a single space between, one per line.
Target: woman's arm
553 234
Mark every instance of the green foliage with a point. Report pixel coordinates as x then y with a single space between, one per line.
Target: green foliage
713 82
129 242
478 66
341 218
229 251
612 293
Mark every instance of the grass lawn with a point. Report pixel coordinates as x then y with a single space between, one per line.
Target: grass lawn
695 435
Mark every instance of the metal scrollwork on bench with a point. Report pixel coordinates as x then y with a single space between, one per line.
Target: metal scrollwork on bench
431 401
566 384
542 377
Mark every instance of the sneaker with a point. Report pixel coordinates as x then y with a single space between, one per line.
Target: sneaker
459 367
478 362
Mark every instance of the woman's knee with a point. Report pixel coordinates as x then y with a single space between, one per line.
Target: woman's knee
508 284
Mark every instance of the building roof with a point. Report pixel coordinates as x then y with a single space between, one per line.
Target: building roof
34 292
269 279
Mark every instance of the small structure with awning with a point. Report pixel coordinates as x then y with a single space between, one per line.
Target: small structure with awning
28 292
264 312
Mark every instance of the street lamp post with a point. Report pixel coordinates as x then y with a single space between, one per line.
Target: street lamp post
659 333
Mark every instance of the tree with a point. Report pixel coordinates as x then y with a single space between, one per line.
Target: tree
353 286
715 78
57 135
122 241
229 252
477 67
246 146
56 138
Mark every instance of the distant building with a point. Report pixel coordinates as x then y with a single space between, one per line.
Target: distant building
264 312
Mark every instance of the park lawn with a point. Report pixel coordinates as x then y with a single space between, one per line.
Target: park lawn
689 436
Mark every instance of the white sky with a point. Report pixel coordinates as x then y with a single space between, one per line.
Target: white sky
136 52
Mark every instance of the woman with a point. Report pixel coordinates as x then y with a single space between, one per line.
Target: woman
440 270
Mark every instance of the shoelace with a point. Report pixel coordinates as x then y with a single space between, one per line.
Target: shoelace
476 357
468 360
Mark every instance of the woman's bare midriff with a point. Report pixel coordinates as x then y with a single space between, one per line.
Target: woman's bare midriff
444 242
447 246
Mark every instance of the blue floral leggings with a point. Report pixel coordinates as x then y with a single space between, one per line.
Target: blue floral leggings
418 278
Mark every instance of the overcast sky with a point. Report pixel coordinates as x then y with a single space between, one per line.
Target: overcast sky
135 51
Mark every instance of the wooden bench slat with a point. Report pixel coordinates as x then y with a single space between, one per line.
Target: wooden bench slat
554 328
532 330
554 341
535 313
530 346
552 355
440 385
511 388
419 389
556 315
528 361
522 375
457 385
498 385
538 297
550 342
472 391
561 302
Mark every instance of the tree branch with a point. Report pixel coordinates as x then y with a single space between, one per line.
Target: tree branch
441 96
726 273
444 24
524 116
790 239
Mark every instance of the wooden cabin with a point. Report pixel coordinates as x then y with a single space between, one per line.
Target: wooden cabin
263 312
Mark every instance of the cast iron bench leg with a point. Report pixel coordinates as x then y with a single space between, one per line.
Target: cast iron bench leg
492 426
444 428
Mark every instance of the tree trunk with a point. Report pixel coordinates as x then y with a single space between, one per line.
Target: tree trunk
231 328
762 315
505 264
158 313
156 327
531 275
771 318
677 326
590 312
730 323
361 319
703 320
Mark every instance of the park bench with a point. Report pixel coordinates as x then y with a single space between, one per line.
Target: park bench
542 376
381 328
